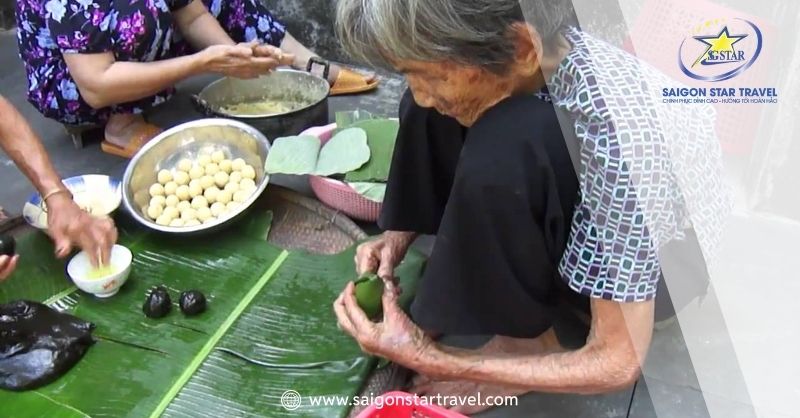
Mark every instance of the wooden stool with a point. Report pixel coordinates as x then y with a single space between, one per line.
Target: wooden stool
80 133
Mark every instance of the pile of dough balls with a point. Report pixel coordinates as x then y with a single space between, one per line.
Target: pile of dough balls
200 191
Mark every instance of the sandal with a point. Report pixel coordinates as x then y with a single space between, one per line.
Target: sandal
143 134
347 82
351 82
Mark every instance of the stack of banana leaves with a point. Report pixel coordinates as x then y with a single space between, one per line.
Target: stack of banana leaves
269 327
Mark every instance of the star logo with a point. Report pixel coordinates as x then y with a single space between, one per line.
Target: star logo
720 48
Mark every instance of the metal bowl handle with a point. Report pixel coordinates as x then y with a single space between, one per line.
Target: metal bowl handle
326 66
202 106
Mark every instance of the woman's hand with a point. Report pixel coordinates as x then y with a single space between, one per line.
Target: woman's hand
7 266
266 50
69 226
383 254
397 338
239 61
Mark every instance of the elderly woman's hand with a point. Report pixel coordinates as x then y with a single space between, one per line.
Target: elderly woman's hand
69 226
383 254
239 61
397 338
7 266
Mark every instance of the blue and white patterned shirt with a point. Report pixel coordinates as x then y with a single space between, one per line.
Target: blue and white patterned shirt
648 173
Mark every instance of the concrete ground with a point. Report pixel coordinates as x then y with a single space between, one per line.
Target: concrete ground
670 378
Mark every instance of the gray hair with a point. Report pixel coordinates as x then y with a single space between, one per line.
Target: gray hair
471 32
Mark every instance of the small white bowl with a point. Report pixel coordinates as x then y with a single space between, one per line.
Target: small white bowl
79 267
97 194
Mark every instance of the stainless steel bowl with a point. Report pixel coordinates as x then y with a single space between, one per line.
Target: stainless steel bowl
307 93
236 139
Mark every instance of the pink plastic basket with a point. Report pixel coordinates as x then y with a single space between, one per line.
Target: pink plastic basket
338 194
401 405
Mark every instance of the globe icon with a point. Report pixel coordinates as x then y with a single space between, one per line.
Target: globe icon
291 400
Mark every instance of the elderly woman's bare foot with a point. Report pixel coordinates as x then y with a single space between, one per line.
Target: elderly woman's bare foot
448 391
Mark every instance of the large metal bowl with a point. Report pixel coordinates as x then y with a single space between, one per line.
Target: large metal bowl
307 93
236 139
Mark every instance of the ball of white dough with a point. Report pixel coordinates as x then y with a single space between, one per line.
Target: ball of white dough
224 197
217 209
207 181
196 172
238 164
185 165
217 156
188 214
226 166
241 196
172 201
158 201
183 205
203 160
157 190
155 211
163 220
176 223
232 206
249 172
164 176
235 177
211 194
172 212
181 178
195 189
247 185
170 188
203 214
210 220
199 202
193 222
182 192
211 169
221 179
232 187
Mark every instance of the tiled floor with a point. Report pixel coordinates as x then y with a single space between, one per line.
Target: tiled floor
675 387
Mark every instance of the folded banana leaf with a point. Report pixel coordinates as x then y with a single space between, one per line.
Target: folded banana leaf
269 328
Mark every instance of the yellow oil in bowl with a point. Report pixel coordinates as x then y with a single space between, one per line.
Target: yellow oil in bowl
100 272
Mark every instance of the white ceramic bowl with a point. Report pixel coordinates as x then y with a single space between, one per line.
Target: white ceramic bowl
79 267
97 194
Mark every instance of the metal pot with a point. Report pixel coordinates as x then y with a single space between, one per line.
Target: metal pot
307 93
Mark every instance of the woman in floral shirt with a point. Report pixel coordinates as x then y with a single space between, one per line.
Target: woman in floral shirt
102 62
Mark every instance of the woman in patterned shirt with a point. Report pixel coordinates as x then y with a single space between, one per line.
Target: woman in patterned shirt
500 104
103 62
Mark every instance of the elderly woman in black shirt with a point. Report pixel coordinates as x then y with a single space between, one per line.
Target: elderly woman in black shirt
537 155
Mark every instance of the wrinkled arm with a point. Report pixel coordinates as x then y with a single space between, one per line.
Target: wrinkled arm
617 346
199 27
19 141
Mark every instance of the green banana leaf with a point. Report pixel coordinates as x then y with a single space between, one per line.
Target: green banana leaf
381 137
269 328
